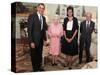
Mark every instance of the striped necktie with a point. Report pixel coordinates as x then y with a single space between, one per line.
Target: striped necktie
41 21
87 25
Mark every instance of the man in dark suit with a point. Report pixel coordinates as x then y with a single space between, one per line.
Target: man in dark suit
86 29
37 33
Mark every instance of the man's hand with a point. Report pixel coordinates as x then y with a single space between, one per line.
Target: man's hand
32 45
46 43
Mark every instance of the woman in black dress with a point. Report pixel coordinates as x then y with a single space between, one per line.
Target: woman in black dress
70 41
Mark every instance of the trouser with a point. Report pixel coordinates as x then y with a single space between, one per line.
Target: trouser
36 56
84 43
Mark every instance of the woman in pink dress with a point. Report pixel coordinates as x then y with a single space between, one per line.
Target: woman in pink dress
55 31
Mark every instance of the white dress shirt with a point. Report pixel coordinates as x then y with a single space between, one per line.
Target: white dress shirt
41 19
69 25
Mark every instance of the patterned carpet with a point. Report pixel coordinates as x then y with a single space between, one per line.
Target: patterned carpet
23 61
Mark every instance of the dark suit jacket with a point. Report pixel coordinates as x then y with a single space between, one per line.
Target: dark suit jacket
86 34
34 29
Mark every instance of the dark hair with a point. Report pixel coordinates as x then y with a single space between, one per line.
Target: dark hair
41 4
70 8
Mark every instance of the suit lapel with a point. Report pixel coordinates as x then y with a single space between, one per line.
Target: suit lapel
38 21
90 24
43 21
84 25
37 18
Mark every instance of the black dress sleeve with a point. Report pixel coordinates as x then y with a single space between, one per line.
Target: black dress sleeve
76 24
30 26
64 24
81 27
45 28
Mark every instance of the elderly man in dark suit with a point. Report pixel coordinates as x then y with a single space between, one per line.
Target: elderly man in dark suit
86 29
37 33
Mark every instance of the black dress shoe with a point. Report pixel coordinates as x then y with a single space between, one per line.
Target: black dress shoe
41 69
80 62
96 60
64 65
87 61
35 70
54 64
69 68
